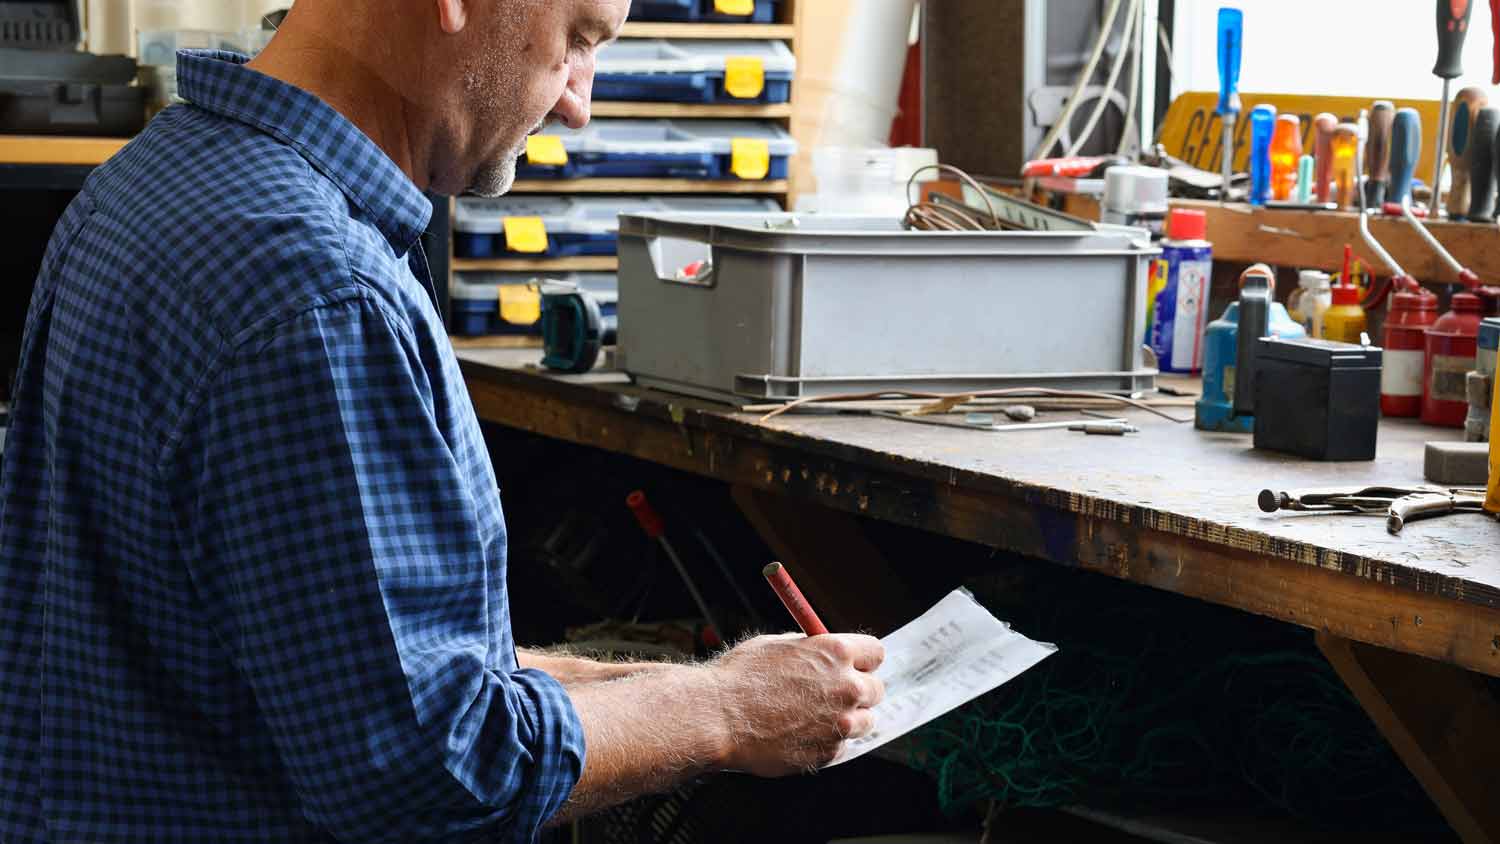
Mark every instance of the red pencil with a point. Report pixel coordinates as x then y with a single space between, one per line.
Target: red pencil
791 596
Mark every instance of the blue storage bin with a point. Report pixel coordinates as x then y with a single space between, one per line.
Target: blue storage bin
475 310
575 225
685 71
699 10
683 149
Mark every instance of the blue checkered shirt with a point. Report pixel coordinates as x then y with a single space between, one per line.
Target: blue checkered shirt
252 558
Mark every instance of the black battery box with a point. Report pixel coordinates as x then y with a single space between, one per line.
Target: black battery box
1317 399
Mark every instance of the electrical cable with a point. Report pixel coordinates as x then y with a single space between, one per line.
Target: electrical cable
1132 18
924 215
1083 80
1131 121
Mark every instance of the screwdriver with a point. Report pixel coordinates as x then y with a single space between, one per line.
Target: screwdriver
1343 146
1305 177
1286 149
1495 30
1323 126
1406 148
1481 155
1231 38
1452 26
1262 122
1377 153
1466 107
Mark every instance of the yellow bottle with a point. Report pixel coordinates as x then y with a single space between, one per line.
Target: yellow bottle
1492 501
1345 320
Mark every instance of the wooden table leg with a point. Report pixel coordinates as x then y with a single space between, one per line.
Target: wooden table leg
843 574
1441 720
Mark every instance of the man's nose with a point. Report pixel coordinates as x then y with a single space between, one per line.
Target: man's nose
573 108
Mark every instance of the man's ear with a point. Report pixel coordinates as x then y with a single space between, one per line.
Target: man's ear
452 14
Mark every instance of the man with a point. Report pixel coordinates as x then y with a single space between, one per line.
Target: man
252 560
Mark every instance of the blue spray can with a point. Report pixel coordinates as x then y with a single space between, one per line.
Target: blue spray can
1179 312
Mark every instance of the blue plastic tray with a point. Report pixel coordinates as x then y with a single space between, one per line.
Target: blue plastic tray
699 87
645 166
482 319
472 245
699 10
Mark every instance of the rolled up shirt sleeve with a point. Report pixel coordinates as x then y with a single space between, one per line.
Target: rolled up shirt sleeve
354 567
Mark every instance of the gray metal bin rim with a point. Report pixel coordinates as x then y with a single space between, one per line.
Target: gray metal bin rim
737 232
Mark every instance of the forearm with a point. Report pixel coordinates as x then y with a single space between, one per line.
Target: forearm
647 733
571 670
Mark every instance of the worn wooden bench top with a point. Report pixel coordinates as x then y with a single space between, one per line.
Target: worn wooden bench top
1171 507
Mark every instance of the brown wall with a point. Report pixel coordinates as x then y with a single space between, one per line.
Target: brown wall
972 98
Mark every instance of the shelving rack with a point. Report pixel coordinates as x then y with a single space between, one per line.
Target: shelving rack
785 29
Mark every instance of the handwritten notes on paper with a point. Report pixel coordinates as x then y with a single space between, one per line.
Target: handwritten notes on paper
948 656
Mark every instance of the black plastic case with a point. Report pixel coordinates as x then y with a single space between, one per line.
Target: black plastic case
48 87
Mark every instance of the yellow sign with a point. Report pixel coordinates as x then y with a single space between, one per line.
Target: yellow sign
749 158
546 150
744 77
525 234
1193 133
735 7
520 304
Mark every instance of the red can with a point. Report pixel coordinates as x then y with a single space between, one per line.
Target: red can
1413 311
1452 343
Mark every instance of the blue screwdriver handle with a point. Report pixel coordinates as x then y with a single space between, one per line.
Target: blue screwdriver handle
1231 44
1406 147
1262 127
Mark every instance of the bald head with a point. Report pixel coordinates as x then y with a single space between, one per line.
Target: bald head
449 88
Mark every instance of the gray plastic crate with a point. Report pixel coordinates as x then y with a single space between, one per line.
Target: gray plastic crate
806 305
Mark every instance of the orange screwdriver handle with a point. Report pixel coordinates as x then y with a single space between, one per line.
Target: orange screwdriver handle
1286 149
1342 146
1323 126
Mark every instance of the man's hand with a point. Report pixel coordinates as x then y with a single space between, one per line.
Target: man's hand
791 701
773 705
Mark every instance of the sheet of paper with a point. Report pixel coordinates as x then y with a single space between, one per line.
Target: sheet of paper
948 656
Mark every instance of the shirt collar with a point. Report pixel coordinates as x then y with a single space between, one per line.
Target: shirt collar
220 82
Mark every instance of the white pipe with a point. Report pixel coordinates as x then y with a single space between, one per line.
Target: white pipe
1150 27
1105 31
1364 217
1132 17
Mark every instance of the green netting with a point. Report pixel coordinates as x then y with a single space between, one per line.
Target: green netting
1155 701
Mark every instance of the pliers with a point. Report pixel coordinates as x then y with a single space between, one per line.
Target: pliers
1399 504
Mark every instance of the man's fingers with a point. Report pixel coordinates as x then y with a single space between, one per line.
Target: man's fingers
865 653
872 690
856 723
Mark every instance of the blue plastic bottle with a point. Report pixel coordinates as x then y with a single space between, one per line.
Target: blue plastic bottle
1180 310
1215 410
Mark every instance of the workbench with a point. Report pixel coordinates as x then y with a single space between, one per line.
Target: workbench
1403 619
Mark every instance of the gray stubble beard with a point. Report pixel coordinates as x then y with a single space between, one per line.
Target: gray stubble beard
496 178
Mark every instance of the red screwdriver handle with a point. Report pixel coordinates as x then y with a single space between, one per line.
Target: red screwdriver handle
1495 28
645 514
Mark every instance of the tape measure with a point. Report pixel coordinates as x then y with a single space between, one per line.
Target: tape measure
576 325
